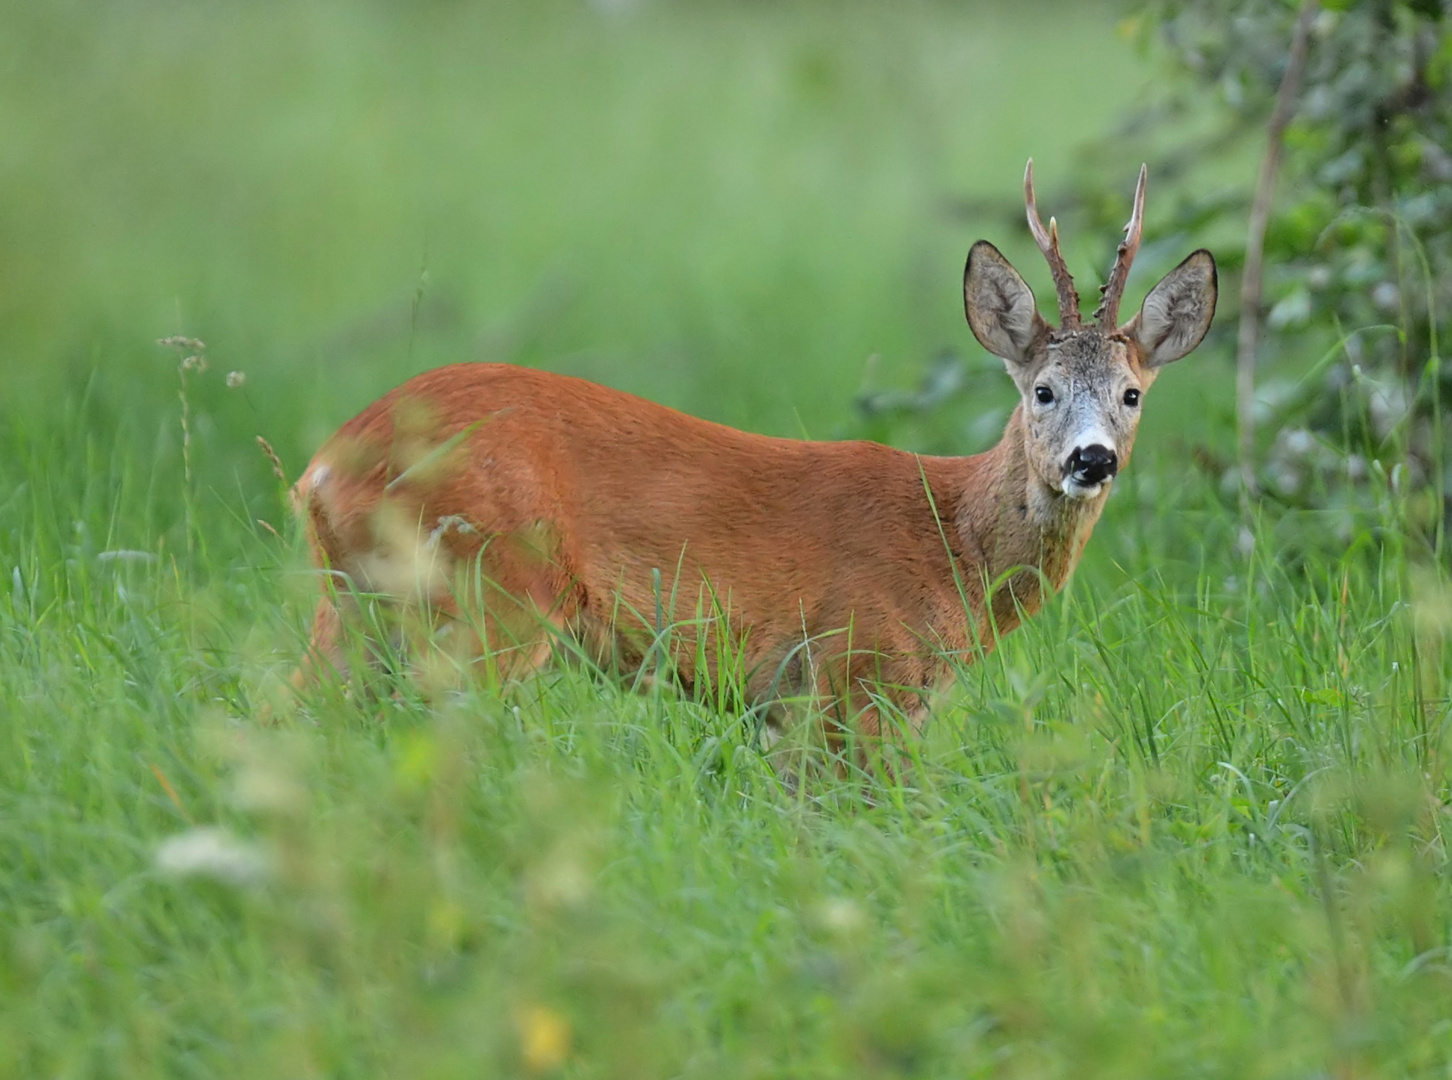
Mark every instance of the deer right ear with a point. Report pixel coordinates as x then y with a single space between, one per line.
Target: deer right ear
1001 308
1177 312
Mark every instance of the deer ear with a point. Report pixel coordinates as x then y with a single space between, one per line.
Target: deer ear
1177 312
1001 309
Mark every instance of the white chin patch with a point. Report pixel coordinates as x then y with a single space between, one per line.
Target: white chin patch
1076 490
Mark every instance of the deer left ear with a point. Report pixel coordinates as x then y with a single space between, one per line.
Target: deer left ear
1177 312
1000 306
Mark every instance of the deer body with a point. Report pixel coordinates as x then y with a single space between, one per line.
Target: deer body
522 508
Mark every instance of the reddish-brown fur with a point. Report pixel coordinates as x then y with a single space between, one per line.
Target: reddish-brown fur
519 511
582 491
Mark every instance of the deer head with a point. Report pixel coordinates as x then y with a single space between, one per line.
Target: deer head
1082 385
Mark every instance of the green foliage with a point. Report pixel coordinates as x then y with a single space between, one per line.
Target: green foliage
1359 249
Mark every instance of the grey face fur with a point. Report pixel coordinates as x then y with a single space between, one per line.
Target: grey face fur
1078 436
1082 385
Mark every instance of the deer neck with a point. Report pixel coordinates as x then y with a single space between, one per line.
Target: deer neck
1013 521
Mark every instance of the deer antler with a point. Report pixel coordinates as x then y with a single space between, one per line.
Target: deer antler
1048 241
1107 314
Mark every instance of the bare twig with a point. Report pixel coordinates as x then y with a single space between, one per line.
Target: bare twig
1250 282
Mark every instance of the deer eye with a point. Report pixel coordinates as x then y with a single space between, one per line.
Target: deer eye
1043 395
1131 397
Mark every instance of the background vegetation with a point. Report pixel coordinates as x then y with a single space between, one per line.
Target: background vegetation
1360 264
1188 822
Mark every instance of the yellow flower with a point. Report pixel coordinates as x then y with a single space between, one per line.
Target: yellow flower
544 1037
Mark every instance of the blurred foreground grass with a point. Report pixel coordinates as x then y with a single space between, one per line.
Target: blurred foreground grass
1189 822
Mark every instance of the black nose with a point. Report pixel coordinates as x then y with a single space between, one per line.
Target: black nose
1091 465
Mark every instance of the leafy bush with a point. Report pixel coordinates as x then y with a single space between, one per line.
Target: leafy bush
1359 246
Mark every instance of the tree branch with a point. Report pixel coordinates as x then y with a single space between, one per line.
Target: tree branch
1250 282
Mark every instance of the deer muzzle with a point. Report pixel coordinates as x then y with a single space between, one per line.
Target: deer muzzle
1090 466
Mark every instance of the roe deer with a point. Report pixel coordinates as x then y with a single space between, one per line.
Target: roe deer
517 510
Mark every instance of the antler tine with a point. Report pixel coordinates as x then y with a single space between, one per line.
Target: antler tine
1107 314
1048 241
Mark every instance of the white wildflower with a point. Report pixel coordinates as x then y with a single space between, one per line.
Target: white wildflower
212 852
840 915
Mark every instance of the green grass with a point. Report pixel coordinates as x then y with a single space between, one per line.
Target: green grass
1187 822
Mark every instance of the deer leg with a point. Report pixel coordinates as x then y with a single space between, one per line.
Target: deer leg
519 642
886 714
324 654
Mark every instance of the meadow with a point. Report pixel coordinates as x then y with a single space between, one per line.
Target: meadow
1188 822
